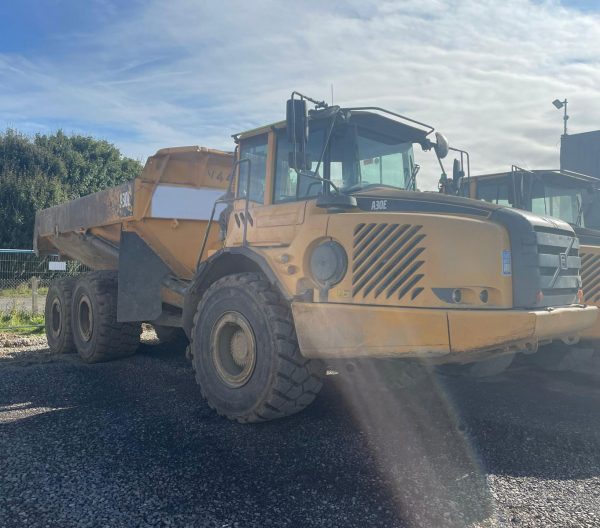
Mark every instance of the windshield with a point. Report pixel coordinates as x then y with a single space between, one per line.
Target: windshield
359 157
355 157
545 195
560 201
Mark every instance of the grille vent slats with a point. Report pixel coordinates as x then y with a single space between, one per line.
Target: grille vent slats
390 274
389 254
558 284
385 260
367 258
590 276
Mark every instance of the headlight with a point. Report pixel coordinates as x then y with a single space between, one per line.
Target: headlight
328 263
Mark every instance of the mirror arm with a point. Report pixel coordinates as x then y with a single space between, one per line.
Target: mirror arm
440 162
318 104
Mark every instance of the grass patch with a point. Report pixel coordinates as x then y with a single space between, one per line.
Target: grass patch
23 290
21 322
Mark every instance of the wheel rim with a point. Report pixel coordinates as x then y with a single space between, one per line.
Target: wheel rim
233 349
85 318
55 317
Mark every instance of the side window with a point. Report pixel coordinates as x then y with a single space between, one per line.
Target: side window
287 187
255 150
493 191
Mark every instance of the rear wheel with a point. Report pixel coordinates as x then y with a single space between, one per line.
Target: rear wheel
97 334
58 316
245 352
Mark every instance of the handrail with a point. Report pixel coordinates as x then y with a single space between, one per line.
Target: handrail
514 170
400 116
226 198
247 205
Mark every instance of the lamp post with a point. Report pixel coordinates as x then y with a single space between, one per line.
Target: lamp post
562 104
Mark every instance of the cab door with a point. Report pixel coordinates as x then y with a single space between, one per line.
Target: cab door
267 206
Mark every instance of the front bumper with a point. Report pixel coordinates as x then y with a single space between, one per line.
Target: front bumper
592 333
333 331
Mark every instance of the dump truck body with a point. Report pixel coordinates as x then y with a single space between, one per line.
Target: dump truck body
150 229
296 268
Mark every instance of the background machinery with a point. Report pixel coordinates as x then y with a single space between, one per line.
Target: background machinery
562 194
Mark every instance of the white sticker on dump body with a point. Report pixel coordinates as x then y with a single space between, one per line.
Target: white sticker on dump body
506 263
185 203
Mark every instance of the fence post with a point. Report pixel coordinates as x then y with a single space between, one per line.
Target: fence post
34 294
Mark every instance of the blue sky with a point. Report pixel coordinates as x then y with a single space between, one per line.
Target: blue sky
150 74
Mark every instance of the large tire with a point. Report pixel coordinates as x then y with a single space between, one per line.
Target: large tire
58 317
97 334
245 353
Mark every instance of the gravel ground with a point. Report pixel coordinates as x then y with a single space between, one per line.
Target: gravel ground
130 443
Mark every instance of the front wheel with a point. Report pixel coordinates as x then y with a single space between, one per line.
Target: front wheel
245 352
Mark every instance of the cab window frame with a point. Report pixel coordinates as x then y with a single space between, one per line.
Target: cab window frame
250 170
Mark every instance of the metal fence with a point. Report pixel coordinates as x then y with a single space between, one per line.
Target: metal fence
19 266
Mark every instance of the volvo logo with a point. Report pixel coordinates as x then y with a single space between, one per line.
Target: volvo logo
563 261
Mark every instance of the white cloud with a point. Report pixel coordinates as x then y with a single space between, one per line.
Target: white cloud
182 72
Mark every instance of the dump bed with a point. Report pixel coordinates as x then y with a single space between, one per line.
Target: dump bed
168 206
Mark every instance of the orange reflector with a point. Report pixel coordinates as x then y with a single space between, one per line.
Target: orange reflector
539 297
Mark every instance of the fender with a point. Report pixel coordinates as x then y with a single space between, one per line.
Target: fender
226 261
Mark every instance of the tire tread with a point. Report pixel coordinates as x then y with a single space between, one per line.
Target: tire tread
115 340
290 364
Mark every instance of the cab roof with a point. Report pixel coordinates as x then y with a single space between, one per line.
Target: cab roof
370 118
552 173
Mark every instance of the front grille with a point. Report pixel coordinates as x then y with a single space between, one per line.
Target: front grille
558 264
385 260
590 277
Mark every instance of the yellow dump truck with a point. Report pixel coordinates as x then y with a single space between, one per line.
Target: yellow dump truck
308 244
563 194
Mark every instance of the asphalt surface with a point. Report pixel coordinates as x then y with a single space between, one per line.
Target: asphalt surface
130 443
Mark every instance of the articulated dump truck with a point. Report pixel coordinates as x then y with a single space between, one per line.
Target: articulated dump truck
307 246
569 196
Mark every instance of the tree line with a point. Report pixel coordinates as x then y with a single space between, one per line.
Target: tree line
48 169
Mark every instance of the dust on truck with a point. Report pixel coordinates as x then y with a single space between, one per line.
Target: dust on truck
316 249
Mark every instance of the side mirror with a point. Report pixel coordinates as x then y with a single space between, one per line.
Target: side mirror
441 146
296 118
457 173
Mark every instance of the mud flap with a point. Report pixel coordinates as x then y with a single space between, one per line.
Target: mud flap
139 292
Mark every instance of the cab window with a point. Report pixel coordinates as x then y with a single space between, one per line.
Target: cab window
288 185
493 191
253 149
